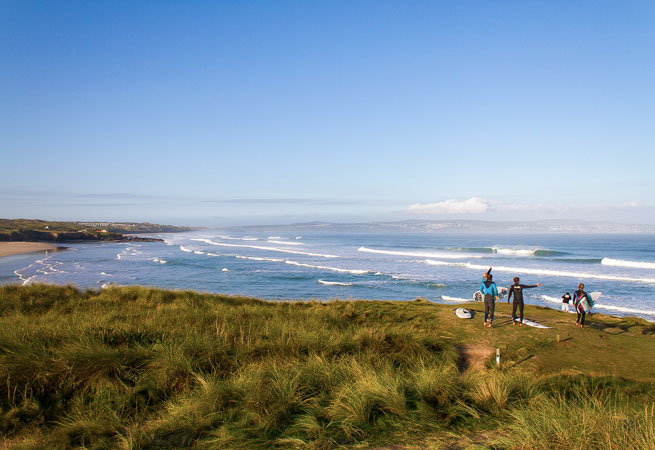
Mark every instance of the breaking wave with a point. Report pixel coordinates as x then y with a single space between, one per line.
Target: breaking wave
546 272
333 269
334 283
259 247
418 254
632 264
624 309
455 299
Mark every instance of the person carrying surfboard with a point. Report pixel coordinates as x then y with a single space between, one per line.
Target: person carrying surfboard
517 290
579 299
490 292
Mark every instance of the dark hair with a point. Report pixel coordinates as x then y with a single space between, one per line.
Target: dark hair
581 286
516 279
490 277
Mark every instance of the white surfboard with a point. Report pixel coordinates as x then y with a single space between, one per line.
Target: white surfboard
531 323
478 297
463 313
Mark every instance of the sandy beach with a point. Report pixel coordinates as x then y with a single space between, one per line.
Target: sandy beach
16 248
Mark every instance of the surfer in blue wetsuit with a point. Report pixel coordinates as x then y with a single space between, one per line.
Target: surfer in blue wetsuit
517 290
490 292
579 297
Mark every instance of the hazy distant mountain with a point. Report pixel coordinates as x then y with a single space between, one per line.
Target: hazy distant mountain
429 226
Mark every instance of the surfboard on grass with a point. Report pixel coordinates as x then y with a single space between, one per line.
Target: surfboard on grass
463 313
531 323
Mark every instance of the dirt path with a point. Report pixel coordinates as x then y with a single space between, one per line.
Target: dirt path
473 356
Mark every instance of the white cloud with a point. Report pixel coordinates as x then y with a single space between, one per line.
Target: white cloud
476 205
473 205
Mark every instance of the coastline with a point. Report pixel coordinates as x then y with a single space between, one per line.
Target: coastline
17 248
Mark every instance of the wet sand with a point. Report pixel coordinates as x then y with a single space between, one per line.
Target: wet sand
16 248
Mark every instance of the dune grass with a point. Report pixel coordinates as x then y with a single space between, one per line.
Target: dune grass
136 367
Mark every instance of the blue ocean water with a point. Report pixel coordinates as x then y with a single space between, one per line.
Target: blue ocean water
442 267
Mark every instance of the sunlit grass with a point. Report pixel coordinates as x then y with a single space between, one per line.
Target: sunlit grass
133 367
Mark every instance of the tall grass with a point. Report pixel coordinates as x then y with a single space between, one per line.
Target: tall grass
138 367
586 421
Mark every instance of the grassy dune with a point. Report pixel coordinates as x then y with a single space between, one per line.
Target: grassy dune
134 367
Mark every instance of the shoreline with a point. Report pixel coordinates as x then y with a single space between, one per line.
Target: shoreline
18 248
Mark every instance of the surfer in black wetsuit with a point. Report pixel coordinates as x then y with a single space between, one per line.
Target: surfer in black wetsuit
517 290
578 296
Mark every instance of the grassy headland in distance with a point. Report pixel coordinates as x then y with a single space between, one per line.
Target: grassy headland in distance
138 367
34 230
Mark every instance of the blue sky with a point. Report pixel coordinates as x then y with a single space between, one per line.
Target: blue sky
250 112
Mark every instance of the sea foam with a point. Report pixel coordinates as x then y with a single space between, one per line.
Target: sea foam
333 269
419 254
259 247
623 263
334 283
648 312
546 272
455 299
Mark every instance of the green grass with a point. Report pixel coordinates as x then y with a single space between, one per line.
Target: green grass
135 367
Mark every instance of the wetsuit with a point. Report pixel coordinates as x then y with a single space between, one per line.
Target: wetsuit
577 298
517 290
565 302
490 292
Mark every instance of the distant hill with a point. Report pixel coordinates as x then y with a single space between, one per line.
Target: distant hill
45 230
434 226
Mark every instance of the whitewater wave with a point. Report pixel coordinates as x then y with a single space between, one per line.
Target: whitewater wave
333 269
198 252
546 272
455 299
334 283
259 247
631 264
418 254
225 269
184 249
275 241
624 309
158 260
232 238
510 251
526 251
259 258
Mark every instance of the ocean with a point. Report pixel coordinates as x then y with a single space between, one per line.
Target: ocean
440 267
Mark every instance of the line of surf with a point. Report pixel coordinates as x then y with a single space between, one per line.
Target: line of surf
546 272
607 307
232 238
510 251
275 241
624 263
259 247
418 254
334 283
455 299
310 266
333 269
